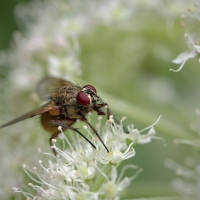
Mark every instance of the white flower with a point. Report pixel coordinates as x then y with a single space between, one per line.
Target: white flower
116 155
63 67
61 172
115 10
143 139
85 154
86 171
192 40
183 58
112 188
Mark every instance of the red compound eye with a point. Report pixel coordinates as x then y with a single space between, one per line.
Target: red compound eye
91 88
83 99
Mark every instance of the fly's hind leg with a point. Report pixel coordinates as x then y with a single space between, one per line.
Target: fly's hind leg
55 135
95 131
67 125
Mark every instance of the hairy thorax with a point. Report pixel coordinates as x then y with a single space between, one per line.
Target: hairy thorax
66 97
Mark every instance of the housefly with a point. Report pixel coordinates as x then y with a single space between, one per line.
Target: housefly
68 102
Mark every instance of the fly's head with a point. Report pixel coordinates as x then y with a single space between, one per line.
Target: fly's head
87 97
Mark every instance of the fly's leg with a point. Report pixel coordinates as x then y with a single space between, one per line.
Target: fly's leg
109 113
55 135
98 107
95 131
64 124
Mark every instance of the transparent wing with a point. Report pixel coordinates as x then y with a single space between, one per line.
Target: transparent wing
45 108
50 84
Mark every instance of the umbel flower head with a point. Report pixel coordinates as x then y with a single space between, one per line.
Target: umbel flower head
81 172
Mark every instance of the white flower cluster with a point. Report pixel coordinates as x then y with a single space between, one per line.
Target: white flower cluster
82 172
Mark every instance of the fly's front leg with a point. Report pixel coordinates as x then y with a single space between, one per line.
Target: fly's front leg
109 113
98 107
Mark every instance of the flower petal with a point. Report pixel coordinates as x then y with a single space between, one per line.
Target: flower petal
124 184
114 174
129 154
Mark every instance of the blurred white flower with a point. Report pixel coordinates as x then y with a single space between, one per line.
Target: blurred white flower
187 182
66 66
192 39
183 58
116 10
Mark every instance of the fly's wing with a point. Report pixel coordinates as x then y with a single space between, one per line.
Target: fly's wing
45 108
49 85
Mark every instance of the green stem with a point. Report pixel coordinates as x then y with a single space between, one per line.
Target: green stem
100 179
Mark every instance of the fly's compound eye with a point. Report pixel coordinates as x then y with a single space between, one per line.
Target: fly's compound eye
83 98
91 88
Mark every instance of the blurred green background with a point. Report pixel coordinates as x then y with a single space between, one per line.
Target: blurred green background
7 21
130 68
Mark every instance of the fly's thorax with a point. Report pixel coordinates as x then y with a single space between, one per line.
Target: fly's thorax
67 95
75 101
